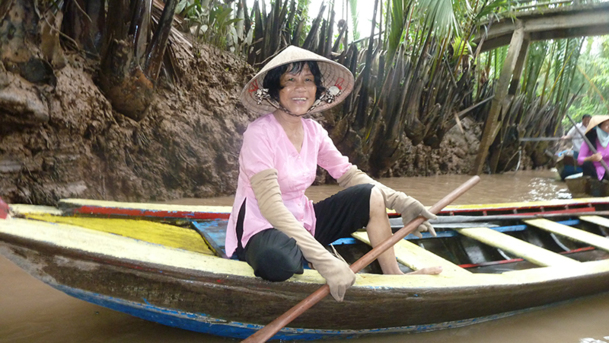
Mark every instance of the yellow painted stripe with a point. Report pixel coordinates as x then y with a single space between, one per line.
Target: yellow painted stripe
528 251
34 209
602 221
572 233
417 258
152 232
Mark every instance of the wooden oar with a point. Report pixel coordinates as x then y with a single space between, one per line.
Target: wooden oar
271 329
538 139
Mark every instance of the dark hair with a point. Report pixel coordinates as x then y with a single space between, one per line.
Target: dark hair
586 116
272 80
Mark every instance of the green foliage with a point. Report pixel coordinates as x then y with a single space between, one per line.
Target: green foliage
354 16
439 16
398 19
593 75
535 59
212 21
415 72
461 47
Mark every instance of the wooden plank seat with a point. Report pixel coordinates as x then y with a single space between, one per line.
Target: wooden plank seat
527 251
417 258
598 220
570 232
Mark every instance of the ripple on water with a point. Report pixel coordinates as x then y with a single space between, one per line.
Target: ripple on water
592 340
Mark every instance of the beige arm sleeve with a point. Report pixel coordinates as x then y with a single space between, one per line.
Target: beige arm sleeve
408 207
336 272
354 177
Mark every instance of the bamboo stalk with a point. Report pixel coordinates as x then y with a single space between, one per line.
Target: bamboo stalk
156 48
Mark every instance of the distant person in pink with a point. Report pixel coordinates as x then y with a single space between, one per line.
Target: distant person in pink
273 226
597 133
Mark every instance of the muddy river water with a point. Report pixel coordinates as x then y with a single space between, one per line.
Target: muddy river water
32 312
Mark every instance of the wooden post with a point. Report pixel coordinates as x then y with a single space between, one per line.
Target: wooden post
501 91
516 74
522 57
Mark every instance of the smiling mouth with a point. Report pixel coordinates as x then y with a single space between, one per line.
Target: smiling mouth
299 99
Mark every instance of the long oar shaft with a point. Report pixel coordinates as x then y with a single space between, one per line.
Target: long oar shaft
538 139
272 328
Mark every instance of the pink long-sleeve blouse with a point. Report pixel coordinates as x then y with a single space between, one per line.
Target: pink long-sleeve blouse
266 146
585 152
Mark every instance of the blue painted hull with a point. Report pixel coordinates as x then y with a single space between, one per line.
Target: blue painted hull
203 323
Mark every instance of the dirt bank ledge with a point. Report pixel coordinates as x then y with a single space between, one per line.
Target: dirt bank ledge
187 146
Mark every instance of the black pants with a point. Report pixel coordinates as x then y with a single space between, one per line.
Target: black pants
275 257
588 169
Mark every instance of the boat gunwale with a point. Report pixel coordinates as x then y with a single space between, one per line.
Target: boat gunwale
236 268
104 207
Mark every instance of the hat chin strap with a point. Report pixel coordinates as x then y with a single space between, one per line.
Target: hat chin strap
280 107
329 96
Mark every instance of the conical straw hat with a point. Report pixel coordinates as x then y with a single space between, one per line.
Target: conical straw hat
333 74
595 120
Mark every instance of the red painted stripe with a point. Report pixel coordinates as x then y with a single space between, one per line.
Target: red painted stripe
3 209
133 212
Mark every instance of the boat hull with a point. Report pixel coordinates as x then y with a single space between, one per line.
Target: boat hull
236 306
143 268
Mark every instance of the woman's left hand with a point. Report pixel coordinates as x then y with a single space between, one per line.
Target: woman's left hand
410 210
596 157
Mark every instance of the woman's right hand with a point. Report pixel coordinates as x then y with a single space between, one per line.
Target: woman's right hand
338 276
596 157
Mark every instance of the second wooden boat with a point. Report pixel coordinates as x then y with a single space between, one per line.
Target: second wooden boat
582 186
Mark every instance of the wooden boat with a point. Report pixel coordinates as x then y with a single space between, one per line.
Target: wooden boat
163 263
581 186
566 165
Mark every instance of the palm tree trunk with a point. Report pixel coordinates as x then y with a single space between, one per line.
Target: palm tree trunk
127 73
156 48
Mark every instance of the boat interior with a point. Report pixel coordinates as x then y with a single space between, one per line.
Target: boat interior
469 240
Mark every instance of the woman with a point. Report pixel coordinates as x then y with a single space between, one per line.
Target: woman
597 133
273 224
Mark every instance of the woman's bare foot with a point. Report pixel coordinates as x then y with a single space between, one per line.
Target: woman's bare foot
427 271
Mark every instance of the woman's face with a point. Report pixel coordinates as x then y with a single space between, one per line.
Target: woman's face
604 126
298 92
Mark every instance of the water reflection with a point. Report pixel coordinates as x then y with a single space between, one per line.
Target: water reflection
593 340
508 187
